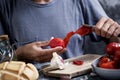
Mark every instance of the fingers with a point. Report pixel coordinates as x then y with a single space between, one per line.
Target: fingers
42 43
112 31
46 54
99 25
43 55
62 51
51 50
117 31
107 28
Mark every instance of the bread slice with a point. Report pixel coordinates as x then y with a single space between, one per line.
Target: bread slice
18 70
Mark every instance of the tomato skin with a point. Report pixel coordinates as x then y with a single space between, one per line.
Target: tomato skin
55 42
78 62
116 57
111 47
84 30
68 36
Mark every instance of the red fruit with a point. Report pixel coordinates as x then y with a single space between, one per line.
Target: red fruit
103 59
57 42
105 62
78 62
117 56
111 48
108 65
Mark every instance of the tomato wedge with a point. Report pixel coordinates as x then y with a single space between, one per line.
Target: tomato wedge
78 62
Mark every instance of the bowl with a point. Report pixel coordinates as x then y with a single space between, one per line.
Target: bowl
107 74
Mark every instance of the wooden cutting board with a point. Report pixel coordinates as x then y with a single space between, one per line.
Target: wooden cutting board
72 70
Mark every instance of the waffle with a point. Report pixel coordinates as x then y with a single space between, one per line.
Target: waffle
16 70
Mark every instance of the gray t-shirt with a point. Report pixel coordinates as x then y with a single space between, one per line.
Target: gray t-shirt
26 21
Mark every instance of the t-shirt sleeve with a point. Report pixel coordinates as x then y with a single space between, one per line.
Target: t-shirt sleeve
93 11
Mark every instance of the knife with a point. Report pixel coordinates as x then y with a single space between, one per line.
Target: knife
87 29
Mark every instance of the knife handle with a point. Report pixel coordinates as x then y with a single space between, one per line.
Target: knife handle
87 25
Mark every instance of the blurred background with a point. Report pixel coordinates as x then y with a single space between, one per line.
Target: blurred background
112 8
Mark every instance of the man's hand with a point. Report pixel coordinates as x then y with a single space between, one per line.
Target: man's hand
107 28
35 51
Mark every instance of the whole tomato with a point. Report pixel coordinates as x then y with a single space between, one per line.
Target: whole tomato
57 42
111 48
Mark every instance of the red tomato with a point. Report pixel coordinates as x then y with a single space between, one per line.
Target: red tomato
111 48
117 56
103 59
113 51
78 62
57 42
